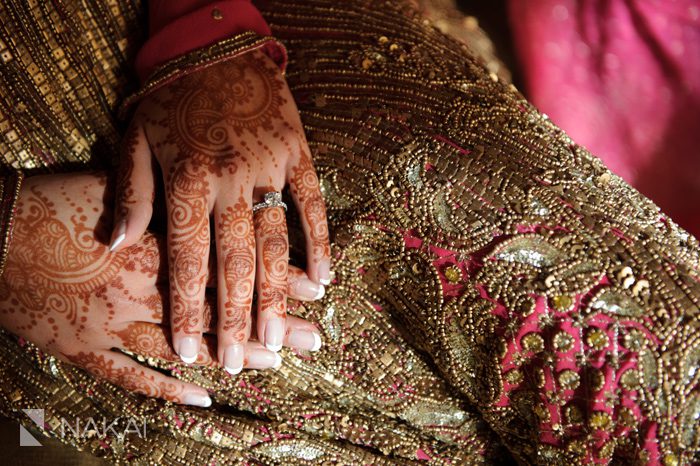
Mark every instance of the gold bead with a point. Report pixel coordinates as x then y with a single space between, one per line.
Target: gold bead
216 14
671 460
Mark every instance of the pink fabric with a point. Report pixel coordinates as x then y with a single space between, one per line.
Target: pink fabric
622 77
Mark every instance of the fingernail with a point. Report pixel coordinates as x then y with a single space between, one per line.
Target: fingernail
195 399
324 271
233 359
263 359
305 339
121 234
308 289
274 334
188 349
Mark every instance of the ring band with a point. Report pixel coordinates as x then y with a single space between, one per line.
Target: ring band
271 199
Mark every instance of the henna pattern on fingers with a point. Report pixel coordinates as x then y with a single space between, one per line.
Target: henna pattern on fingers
238 243
271 231
194 125
153 341
306 188
131 378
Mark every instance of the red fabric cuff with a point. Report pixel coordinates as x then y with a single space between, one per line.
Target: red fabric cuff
177 31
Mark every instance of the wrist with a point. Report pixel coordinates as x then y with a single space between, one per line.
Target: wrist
178 28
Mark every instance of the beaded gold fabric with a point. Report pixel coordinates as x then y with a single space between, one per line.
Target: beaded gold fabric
497 291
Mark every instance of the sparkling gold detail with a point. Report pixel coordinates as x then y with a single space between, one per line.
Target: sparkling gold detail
630 380
635 340
627 417
514 376
573 415
600 420
410 134
671 460
597 339
563 341
533 342
562 303
453 274
569 380
542 412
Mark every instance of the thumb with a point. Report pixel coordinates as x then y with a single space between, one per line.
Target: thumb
135 190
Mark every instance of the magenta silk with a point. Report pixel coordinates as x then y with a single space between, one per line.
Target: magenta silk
622 77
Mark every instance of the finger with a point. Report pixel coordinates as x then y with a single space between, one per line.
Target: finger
135 190
123 371
306 193
235 246
187 199
301 288
272 251
152 341
302 334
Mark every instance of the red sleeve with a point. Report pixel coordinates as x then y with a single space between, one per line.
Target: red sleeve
180 26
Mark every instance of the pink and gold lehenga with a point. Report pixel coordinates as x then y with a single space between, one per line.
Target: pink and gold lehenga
498 293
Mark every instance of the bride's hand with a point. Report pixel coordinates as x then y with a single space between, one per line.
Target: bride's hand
223 137
64 291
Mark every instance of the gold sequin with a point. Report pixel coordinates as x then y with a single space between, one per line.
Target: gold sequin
453 274
533 342
671 460
569 380
563 341
514 376
562 303
597 339
600 420
630 380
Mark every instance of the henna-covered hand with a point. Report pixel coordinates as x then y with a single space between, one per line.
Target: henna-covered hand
64 291
223 137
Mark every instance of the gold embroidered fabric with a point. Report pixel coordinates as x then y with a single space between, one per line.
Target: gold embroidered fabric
497 291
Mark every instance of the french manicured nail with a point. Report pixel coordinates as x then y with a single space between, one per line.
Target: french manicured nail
274 334
324 271
233 359
119 235
263 359
188 349
307 289
195 399
304 339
